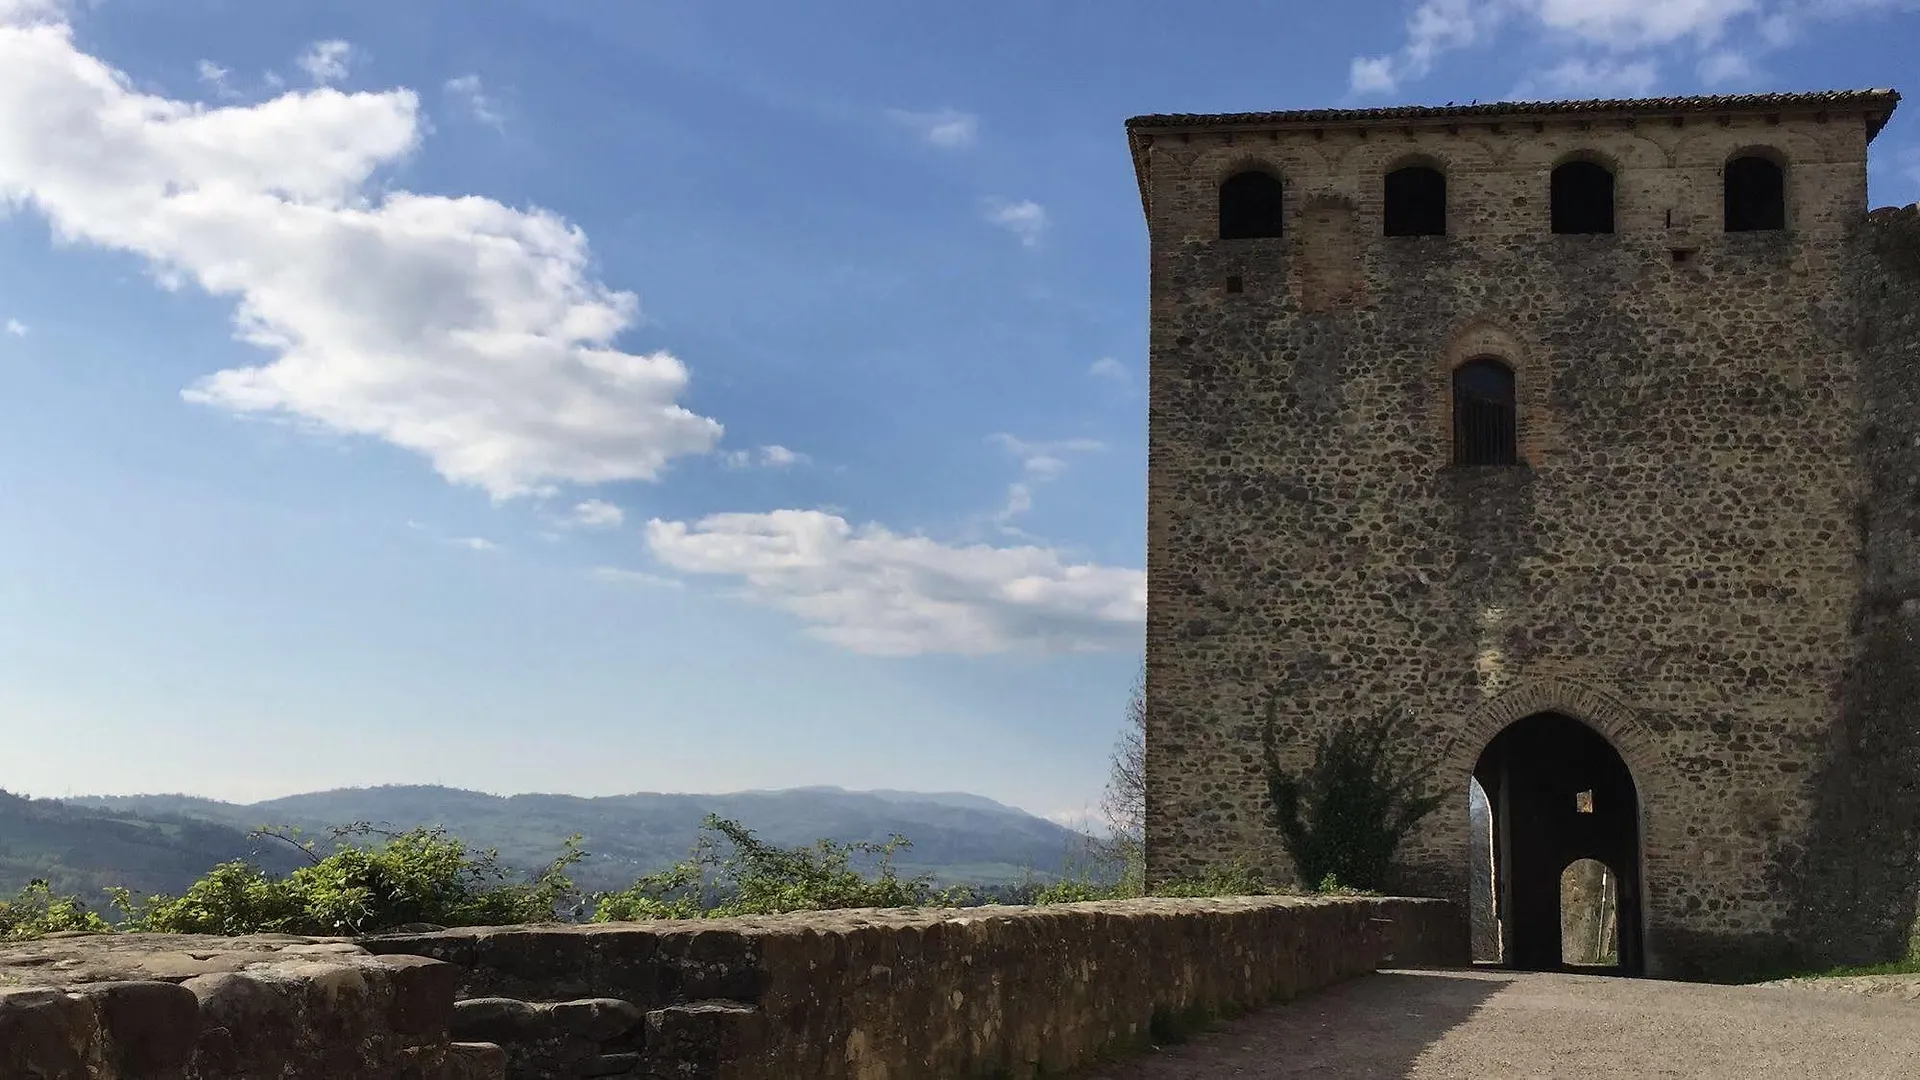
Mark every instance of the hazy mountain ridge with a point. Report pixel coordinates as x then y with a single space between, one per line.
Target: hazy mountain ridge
81 850
956 836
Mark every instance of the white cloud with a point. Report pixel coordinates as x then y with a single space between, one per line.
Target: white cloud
327 61
458 328
949 129
621 576
877 592
1630 24
215 77
779 457
1581 77
1372 75
1726 66
468 90
16 328
1045 460
597 514
1435 27
1040 462
1025 219
770 457
1725 34
474 543
1108 368
1084 820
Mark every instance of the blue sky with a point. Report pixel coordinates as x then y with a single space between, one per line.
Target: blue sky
542 395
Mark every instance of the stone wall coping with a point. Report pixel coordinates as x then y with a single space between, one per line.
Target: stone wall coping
847 919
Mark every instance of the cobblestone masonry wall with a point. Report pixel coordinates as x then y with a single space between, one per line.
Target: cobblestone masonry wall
1678 562
907 994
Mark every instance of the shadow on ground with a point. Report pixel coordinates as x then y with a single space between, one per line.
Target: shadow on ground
1376 1026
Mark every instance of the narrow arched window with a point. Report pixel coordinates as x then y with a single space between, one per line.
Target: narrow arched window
1251 206
1484 431
1416 202
1755 195
1581 198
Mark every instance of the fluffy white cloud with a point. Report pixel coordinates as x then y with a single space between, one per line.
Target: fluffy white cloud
458 328
878 592
1025 219
1625 30
1726 66
597 514
327 61
949 129
1580 77
770 457
468 91
16 328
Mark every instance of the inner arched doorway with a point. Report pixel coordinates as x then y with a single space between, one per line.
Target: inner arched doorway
1558 792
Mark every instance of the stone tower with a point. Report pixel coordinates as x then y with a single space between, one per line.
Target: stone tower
1586 433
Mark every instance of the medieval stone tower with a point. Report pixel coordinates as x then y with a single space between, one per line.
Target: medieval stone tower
1587 433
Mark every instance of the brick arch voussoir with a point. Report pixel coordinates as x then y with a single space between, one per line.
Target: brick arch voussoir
1592 706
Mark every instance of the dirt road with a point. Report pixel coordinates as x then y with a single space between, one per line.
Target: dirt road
1485 1024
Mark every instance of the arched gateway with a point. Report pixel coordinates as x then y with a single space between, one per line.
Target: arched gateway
1558 793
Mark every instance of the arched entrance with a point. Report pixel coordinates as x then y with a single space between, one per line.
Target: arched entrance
1558 792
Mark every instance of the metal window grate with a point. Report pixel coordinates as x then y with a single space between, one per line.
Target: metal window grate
1483 414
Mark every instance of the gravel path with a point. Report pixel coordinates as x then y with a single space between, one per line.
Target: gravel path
1484 1024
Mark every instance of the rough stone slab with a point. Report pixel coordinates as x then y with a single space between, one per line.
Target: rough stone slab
192 1007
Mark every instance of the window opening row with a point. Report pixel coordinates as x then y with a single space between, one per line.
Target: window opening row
1580 200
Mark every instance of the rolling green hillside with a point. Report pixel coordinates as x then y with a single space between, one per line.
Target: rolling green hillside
80 850
957 837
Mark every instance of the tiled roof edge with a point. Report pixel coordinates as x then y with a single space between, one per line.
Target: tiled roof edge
1885 100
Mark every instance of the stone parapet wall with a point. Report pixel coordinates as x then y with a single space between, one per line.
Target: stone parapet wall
195 1007
895 994
872 994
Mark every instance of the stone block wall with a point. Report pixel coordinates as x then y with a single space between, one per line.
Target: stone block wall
905 994
1677 561
192 1007
939 994
1861 884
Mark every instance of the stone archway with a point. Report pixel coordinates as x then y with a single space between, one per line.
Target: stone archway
1559 793
1568 773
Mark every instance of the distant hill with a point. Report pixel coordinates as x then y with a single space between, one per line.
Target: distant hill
80 850
957 837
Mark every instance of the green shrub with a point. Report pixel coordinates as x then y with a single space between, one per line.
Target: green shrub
36 912
1344 817
1234 879
418 876
756 878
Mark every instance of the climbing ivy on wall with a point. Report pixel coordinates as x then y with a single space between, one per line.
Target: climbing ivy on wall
1344 816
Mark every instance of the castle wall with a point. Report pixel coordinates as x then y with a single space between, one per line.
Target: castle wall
1674 564
1863 873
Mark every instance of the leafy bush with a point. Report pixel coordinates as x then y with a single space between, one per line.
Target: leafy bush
1358 805
418 876
36 912
757 878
